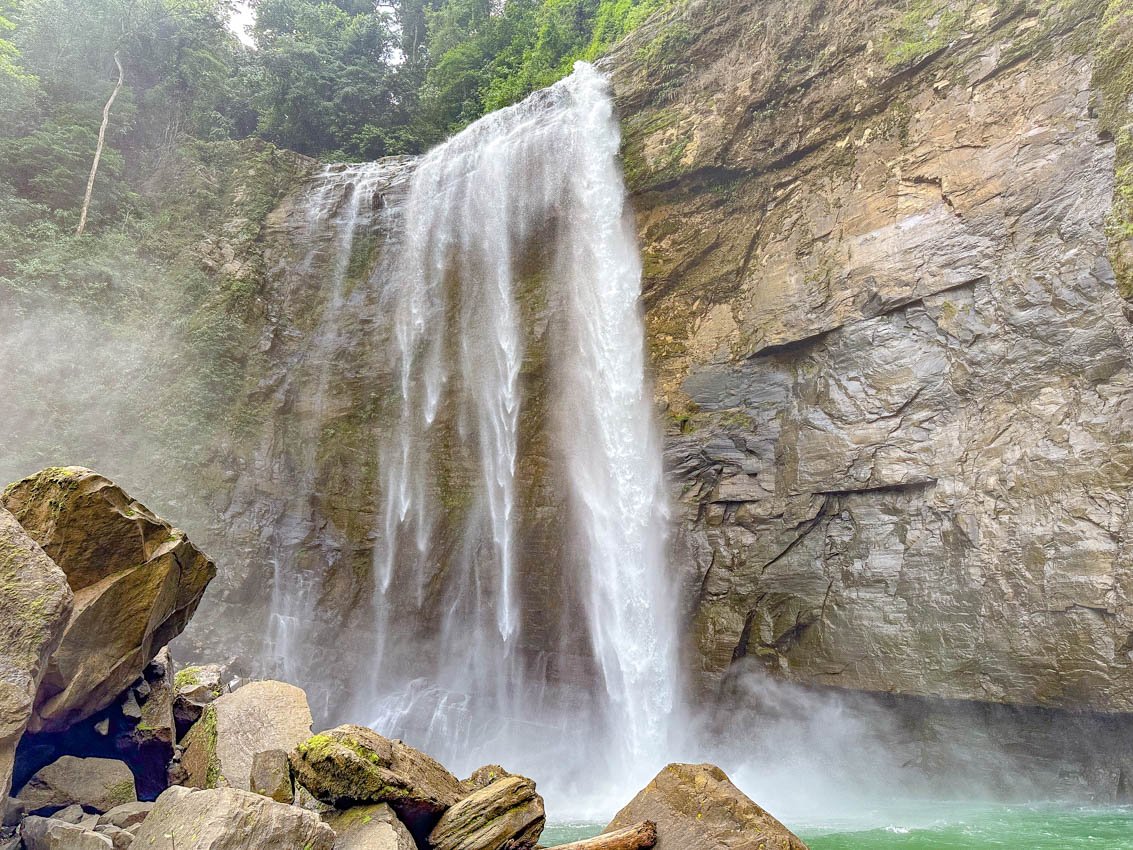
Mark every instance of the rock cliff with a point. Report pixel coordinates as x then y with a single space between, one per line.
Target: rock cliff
895 355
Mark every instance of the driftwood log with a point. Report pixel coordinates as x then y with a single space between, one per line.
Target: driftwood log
640 836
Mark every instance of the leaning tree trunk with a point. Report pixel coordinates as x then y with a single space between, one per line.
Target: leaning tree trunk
98 147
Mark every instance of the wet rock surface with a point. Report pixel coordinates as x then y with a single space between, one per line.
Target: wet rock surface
893 350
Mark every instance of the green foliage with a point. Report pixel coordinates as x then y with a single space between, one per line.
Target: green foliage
483 58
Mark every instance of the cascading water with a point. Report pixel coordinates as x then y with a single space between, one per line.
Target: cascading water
531 190
339 206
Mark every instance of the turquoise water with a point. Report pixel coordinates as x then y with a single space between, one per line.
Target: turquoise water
946 826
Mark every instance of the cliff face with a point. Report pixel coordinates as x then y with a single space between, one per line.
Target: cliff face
881 243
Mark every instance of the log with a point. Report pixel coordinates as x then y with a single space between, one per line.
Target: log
640 836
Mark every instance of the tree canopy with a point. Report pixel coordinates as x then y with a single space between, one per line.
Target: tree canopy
334 79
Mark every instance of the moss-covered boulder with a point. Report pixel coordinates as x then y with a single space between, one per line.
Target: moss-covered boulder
349 765
506 814
220 749
373 827
35 604
96 784
136 581
696 807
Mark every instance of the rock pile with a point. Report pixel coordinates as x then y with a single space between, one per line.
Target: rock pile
122 751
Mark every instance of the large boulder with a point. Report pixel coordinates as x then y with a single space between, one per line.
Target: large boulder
352 764
260 716
53 834
229 819
136 581
696 807
35 604
504 815
96 784
374 827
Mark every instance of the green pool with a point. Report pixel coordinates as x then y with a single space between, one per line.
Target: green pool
944 826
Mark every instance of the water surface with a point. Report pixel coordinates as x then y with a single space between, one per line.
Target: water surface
944 826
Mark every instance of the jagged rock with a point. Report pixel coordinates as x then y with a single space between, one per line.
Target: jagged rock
154 695
482 777
35 604
14 812
229 819
126 815
259 716
271 776
52 834
353 764
136 580
118 836
696 807
194 688
75 814
640 836
373 827
506 814
96 784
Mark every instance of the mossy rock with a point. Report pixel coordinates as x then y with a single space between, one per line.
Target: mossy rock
352 765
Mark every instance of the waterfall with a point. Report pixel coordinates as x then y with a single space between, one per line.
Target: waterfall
520 610
537 179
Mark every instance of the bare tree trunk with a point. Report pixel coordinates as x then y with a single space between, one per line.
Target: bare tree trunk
98 148
640 836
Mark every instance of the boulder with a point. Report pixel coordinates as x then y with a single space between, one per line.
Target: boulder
374 827
35 604
696 807
193 689
352 764
482 777
259 716
271 776
126 815
229 819
95 784
136 582
53 834
505 815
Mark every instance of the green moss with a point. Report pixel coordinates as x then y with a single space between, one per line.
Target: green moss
925 27
122 792
1113 87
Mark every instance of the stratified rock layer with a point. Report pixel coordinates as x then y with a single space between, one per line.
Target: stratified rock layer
696 807
506 814
136 580
35 604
